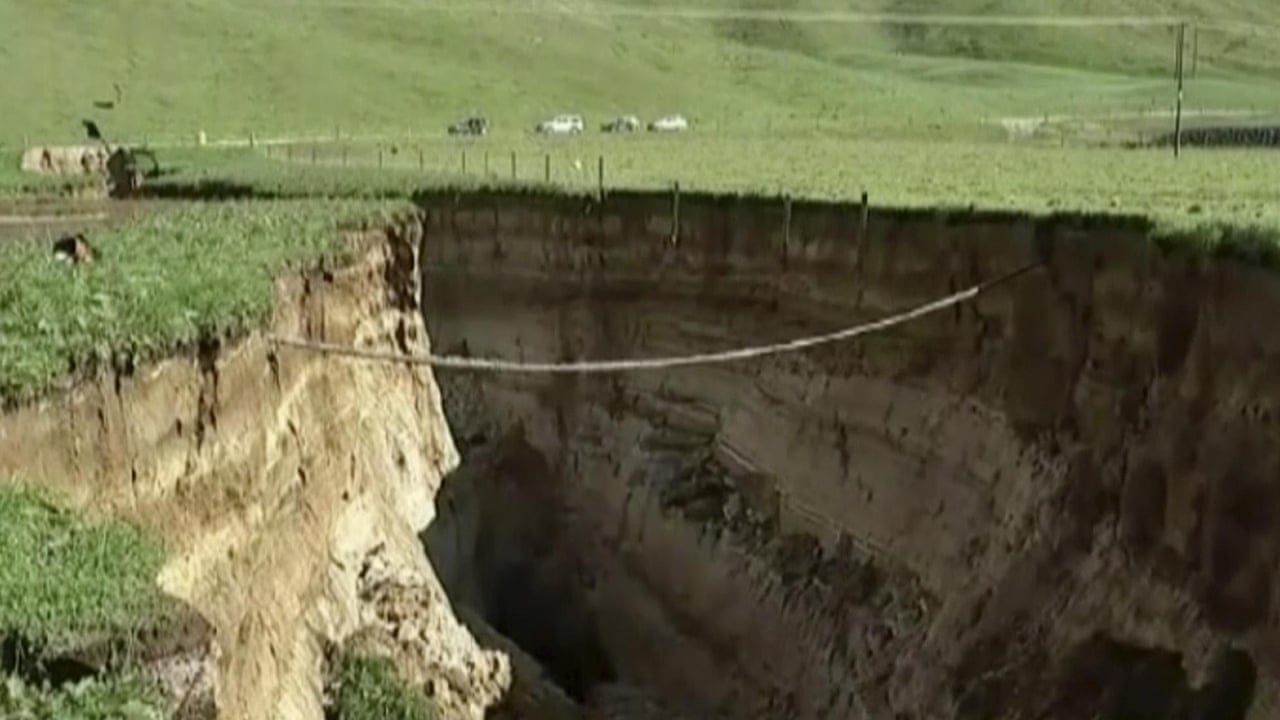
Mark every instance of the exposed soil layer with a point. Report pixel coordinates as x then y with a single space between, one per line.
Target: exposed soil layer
288 487
1054 502
1063 485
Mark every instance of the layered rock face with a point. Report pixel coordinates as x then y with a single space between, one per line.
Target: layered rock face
288 486
1055 501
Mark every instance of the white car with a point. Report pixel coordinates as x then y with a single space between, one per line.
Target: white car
670 123
561 125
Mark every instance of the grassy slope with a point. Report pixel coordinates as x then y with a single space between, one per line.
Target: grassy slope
65 583
161 282
235 66
369 688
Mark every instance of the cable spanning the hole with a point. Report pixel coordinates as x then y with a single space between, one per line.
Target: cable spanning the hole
457 362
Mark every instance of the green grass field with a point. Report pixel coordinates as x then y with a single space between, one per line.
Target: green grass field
67 584
232 67
64 581
1231 185
800 96
184 273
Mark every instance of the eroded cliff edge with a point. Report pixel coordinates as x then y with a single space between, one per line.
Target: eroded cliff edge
1055 502
289 487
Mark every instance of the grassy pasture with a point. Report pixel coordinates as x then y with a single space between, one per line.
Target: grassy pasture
1227 186
183 273
235 67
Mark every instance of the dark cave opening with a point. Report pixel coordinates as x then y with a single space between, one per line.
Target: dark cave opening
497 545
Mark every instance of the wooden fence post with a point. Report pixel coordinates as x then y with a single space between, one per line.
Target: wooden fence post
421 160
513 164
675 213
865 218
464 162
600 177
786 223
546 168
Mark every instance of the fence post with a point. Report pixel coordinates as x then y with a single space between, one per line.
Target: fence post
786 223
675 213
513 164
464 162
863 221
546 168
421 160
600 177
253 141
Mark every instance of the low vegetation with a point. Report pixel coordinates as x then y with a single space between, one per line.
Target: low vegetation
369 688
111 698
67 584
179 275
1220 185
64 581
1210 200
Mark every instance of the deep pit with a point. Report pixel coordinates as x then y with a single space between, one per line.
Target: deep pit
1052 502
966 516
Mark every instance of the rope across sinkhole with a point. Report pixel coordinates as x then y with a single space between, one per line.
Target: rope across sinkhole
458 362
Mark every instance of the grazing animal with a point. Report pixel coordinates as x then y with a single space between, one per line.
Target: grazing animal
74 250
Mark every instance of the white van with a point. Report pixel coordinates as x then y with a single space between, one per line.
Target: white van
561 125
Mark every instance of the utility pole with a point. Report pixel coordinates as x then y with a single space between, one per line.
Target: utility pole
1177 115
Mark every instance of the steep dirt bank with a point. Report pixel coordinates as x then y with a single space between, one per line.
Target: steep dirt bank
289 487
1056 502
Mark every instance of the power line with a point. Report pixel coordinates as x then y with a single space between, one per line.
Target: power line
456 362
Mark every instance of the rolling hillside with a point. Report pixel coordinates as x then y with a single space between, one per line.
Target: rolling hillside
232 67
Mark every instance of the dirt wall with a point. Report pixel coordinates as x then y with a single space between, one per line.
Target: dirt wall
289 487
1072 473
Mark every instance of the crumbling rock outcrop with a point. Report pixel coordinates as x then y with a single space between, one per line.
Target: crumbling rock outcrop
274 477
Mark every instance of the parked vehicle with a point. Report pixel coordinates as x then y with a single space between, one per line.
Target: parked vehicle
471 125
670 123
625 123
561 125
